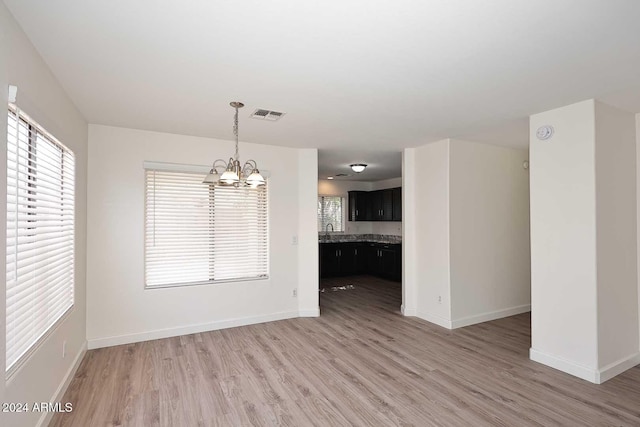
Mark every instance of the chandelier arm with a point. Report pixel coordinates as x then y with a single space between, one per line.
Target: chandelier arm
219 163
250 165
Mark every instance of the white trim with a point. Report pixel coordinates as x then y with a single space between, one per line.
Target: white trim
190 329
617 367
440 321
407 311
315 312
564 365
176 167
46 416
491 315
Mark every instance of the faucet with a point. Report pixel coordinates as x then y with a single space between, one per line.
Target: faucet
326 228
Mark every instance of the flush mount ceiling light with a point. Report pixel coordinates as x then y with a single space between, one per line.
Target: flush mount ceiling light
232 173
358 167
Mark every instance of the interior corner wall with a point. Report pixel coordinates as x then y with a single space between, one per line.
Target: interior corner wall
427 230
308 265
120 309
489 232
638 209
409 221
563 240
44 376
616 235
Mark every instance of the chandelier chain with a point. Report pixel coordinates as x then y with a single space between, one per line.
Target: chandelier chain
235 131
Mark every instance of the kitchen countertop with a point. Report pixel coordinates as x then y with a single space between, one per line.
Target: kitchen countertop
343 238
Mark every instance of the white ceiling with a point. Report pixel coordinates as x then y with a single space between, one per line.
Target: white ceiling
352 76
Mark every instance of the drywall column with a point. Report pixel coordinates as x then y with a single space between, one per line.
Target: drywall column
583 241
638 208
308 273
427 230
409 237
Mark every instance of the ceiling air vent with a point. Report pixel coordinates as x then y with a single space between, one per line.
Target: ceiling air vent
342 174
261 114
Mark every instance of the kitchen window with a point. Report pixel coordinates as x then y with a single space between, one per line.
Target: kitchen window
330 213
197 233
40 235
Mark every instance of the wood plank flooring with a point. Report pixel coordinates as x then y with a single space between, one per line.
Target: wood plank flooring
360 363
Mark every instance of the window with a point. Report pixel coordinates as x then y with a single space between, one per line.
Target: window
197 233
330 212
40 235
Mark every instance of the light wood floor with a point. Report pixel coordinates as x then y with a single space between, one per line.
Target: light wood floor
360 363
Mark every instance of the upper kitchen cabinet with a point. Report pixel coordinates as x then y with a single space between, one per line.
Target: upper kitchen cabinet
359 207
379 205
397 204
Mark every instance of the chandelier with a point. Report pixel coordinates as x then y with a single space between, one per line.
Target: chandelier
233 174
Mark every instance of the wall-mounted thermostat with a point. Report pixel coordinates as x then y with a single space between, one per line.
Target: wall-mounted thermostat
544 132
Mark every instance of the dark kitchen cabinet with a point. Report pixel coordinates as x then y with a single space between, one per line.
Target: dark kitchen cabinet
359 206
337 259
379 205
329 260
396 204
385 260
361 258
344 259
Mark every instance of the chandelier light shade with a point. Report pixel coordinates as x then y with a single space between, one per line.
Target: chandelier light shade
231 173
358 167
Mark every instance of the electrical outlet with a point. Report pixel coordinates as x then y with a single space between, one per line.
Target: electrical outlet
64 349
439 299
294 240
295 293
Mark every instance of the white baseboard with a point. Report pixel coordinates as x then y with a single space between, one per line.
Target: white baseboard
617 367
407 311
46 416
309 313
492 315
186 330
564 365
440 321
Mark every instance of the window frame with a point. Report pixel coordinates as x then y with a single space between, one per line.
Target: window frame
342 213
201 172
39 135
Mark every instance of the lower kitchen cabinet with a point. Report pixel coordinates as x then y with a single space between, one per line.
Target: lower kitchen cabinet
344 259
338 259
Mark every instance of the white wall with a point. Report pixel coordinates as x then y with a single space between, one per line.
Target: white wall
43 376
119 308
308 268
638 208
584 241
410 239
616 234
563 224
429 238
466 232
489 232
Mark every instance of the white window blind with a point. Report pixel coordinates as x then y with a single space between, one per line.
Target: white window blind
330 212
40 234
197 233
